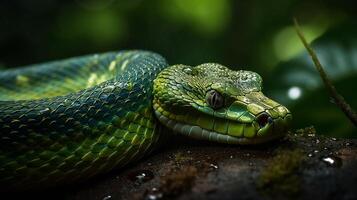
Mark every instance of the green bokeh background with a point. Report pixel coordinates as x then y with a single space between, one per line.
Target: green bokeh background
252 35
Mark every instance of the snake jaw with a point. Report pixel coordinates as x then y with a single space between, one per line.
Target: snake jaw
197 132
233 133
250 119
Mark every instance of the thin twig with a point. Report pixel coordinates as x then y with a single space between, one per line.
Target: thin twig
338 99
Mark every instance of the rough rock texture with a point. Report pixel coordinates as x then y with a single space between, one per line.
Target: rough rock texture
300 166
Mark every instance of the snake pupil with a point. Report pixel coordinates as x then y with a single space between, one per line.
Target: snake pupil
214 99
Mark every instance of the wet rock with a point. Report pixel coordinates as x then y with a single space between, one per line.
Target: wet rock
295 167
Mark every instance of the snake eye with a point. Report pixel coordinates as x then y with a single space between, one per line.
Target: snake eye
214 99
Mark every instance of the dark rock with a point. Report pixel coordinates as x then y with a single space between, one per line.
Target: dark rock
303 165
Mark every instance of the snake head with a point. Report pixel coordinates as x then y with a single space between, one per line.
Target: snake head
215 103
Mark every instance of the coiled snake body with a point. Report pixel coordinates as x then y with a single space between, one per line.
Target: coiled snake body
66 121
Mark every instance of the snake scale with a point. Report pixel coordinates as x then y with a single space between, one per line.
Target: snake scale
65 121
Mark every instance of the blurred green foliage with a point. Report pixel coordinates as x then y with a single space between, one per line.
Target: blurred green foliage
207 18
299 86
254 35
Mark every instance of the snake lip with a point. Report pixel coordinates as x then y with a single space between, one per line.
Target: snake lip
197 132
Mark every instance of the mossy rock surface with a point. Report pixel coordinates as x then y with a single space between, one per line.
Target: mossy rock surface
303 165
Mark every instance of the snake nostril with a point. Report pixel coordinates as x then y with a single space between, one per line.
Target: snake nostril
264 119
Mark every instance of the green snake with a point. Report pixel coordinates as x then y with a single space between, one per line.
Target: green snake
65 121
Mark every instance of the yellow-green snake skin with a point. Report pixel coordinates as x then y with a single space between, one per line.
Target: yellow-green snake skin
66 121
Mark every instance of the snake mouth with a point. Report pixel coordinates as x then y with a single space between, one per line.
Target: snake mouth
265 128
201 133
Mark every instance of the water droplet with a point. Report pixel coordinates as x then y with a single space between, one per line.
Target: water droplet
316 151
332 161
188 151
310 155
154 194
333 139
107 197
348 144
141 176
231 157
214 166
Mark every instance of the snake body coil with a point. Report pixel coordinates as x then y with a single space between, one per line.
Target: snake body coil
65 121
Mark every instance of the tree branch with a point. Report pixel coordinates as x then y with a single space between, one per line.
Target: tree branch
338 99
